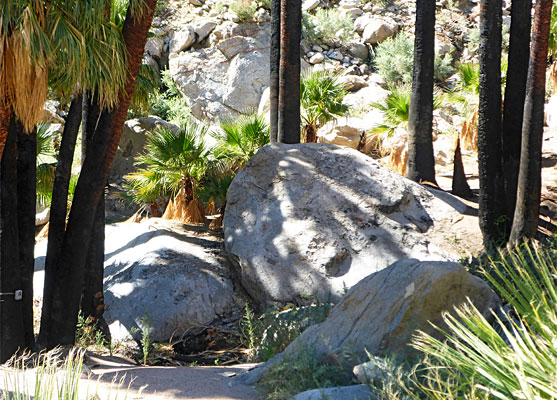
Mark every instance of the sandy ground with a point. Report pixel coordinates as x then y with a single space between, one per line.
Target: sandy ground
114 378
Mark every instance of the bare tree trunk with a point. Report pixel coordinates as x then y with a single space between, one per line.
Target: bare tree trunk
492 199
525 222
275 67
26 210
289 75
421 162
513 108
12 334
94 174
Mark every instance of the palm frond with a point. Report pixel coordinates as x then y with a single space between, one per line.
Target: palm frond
321 96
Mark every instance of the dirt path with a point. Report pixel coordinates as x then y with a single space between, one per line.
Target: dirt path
162 383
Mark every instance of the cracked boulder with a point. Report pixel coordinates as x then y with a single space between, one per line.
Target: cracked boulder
307 222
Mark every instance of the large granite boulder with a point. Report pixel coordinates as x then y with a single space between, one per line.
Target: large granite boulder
308 221
174 276
380 314
227 79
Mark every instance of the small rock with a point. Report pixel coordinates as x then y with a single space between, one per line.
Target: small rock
197 3
203 28
348 3
262 16
353 12
317 58
305 46
310 5
377 30
358 49
353 82
356 392
317 48
154 47
336 55
364 69
371 371
182 40
310 54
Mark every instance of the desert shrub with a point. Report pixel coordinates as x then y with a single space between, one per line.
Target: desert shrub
271 332
244 9
168 103
300 373
394 58
328 26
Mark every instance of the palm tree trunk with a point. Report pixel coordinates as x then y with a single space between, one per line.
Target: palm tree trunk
421 162
12 334
460 185
92 300
58 211
289 74
515 93
5 115
94 174
26 209
275 67
525 222
492 199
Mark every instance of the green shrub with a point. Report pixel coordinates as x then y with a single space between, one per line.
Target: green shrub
394 61
244 9
330 27
168 103
301 373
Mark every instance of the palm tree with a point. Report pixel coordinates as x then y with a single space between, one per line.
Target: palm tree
175 163
240 139
289 73
515 93
63 304
525 221
492 199
321 99
421 162
275 69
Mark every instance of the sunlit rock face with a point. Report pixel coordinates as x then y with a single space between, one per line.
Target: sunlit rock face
306 222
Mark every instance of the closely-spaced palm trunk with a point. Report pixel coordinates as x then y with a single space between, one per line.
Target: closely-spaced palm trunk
289 74
59 208
92 300
525 222
5 115
274 70
26 210
492 199
12 333
515 93
421 162
94 174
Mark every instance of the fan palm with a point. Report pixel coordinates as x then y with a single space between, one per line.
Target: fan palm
240 139
174 162
321 99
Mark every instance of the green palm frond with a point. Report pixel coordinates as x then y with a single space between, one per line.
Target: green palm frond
511 359
45 142
321 96
45 183
148 81
214 189
170 157
240 139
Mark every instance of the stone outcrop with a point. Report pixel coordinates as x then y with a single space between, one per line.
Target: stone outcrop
310 220
173 277
380 314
